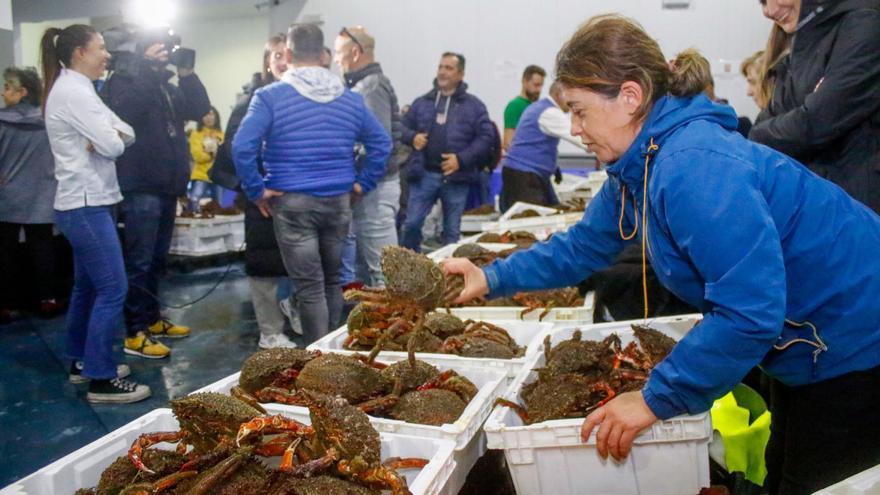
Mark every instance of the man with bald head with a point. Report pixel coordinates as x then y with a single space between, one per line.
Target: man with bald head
373 222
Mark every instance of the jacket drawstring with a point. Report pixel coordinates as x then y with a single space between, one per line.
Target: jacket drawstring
819 344
649 153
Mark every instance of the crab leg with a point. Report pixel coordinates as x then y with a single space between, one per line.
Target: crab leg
405 463
247 398
219 472
279 395
518 409
314 466
135 453
271 424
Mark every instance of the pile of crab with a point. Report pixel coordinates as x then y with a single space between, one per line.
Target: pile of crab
226 446
544 300
409 390
402 315
579 376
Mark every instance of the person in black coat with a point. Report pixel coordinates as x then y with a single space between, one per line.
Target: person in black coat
825 108
262 258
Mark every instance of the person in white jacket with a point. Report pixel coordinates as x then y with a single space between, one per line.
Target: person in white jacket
86 137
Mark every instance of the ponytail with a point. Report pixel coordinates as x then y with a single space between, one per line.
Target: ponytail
56 54
691 74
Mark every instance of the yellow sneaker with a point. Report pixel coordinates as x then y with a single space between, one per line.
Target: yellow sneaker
164 328
143 346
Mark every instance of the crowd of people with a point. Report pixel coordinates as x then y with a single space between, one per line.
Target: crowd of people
741 220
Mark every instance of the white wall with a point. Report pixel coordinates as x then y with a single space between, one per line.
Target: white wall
499 38
228 52
28 53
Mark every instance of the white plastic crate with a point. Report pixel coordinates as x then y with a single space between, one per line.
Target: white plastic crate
670 458
491 383
521 206
234 240
525 333
446 251
582 314
864 483
82 468
474 223
184 244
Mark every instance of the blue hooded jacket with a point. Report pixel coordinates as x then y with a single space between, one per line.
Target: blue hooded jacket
305 128
748 235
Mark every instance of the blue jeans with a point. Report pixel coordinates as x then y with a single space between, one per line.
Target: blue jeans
347 271
422 196
149 223
94 318
374 226
311 231
197 191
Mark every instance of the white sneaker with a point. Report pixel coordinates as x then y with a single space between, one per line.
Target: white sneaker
76 377
275 340
288 309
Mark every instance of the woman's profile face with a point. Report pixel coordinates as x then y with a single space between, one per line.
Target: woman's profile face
785 13
605 125
278 60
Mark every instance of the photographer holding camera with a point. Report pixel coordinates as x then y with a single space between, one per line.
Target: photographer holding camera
153 173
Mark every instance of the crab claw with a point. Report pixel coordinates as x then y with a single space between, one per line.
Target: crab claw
271 424
135 453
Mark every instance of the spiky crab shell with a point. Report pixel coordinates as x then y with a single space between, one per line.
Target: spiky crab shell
209 416
434 407
413 277
319 485
410 375
263 367
340 425
443 324
345 376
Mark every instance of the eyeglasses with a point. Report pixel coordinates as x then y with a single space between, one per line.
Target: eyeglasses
345 32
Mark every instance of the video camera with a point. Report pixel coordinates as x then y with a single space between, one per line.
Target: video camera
127 43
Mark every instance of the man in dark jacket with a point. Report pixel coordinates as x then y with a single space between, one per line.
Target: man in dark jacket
152 174
825 109
27 190
453 138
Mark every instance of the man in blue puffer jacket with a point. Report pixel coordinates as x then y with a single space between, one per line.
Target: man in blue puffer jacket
453 139
305 127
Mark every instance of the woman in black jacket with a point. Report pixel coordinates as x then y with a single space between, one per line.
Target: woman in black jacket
825 108
263 262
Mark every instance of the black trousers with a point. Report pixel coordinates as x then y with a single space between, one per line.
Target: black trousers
526 187
40 264
823 433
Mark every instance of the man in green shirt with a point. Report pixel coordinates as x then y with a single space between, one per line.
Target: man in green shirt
532 82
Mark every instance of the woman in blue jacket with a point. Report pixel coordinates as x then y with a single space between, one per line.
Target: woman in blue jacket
782 263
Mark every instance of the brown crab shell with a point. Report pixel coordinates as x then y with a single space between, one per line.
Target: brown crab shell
340 425
469 250
345 376
425 342
318 485
122 473
489 237
262 367
413 277
580 356
558 396
210 416
655 343
530 213
477 347
434 407
411 375
443 325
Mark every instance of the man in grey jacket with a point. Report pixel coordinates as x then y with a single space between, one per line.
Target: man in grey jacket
373 221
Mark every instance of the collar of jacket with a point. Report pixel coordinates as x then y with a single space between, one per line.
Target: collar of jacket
460 91
630 167
355 76
816 12
23 114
